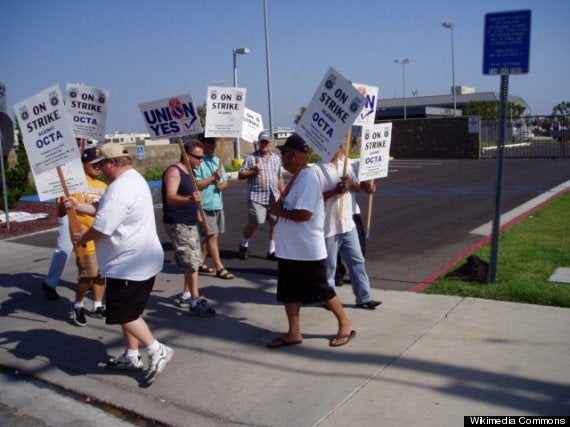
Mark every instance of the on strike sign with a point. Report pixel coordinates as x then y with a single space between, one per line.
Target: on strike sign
375 151
331 113
46 130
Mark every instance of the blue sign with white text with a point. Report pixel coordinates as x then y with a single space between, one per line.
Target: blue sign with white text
507 42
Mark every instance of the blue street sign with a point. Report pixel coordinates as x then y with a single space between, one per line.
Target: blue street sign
140 152
507 42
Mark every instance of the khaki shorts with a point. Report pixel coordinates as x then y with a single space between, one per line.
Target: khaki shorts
91 268
185 241
216 221
259 213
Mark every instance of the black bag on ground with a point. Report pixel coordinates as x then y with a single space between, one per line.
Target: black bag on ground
475 269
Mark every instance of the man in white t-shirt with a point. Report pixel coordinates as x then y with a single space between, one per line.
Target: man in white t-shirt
301 251
130 256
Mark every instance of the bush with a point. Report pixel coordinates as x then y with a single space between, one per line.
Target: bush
154 174
17 182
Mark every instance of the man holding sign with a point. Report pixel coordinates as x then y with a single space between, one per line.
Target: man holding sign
181 202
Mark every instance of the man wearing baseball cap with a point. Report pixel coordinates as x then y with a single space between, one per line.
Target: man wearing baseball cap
301 251
262 169
130 256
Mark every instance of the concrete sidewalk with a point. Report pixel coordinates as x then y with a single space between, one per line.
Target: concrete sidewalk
417 359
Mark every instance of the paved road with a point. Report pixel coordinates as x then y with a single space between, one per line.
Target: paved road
423 215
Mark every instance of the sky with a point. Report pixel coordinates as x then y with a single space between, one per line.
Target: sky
145 50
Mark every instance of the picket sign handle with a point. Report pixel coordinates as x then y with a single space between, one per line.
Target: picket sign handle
195 184
74 224
344 172
369 217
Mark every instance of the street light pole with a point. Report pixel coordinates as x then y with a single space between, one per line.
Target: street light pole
238 51
450 25
403 63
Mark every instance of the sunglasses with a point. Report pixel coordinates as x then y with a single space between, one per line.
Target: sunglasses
197 157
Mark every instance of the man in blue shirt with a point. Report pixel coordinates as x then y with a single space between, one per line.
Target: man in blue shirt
212 180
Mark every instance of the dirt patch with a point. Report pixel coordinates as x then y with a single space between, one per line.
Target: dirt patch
27 227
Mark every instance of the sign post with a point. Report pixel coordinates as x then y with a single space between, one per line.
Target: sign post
506 51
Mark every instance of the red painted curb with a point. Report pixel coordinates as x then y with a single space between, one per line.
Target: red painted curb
427 282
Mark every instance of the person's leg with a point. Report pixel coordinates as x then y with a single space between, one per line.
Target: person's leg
361 233
63 250
345 325
137 331
332 245
351 254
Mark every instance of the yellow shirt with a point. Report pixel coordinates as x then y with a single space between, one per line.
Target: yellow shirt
96 189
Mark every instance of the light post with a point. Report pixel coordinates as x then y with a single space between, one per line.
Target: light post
239 51
403 63
451 26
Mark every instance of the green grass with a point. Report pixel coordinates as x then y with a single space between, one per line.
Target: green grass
529 253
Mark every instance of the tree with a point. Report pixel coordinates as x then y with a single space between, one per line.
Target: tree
201 110
17 175
490 109
562 109
301 112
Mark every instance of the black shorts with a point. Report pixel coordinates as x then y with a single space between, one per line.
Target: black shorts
126 299
303 281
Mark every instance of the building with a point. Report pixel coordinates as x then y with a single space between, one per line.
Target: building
134 139
437 105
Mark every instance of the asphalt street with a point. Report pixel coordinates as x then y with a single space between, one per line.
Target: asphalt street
423 216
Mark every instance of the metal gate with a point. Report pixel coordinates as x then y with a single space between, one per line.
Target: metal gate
529 136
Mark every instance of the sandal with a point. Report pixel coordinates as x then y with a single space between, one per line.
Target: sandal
205 269
226 276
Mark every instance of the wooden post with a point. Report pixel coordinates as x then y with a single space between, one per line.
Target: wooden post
344 172
369 217
74 224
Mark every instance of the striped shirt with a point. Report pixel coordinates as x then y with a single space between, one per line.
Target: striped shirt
261 186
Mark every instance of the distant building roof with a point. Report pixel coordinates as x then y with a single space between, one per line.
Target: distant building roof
446 101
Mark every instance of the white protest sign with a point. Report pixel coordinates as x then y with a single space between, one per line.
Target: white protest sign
171 117
224 111
252 125
368 112
49 185
48 137
375 151
87 110
3 102
331 113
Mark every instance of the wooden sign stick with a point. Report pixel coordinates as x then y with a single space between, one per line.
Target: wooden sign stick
344 172
194 183
293 178
74 224
369 217
221 152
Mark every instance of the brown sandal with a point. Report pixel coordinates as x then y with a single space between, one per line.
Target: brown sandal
222 273
205 269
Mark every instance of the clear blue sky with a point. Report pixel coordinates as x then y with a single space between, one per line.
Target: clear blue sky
142 50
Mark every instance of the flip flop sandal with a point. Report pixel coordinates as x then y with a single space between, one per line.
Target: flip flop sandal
346 337
205 269
280 342
226 276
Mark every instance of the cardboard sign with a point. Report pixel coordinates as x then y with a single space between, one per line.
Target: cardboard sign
87 110
375 151
224 111
368 113
48 137
252 125
332 111
49 185
171 117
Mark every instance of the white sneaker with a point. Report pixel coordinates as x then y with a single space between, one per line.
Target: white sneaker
125 363
157 361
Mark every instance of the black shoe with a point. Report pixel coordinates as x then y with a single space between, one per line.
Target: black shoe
271 256
242 252
370 305
338 281
99 313
50 292
78 316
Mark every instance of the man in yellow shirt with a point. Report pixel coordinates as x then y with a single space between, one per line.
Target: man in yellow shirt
89 276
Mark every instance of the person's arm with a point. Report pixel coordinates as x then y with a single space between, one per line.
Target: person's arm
171 184
297 215
85 236
80 207
203 183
